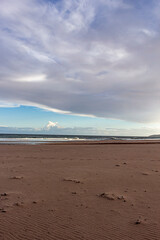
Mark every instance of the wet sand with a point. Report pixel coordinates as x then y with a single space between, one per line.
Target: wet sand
80 191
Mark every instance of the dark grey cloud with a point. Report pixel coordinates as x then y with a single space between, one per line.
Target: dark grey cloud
87 57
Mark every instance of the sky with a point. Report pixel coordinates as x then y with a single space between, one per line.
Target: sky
80 67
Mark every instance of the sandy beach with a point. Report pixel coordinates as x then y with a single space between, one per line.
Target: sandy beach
80 191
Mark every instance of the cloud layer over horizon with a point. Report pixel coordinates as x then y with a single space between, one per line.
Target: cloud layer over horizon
53 128
83 57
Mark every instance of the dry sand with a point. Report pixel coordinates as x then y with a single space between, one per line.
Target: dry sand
80 191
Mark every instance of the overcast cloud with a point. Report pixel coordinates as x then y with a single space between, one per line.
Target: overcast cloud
88 57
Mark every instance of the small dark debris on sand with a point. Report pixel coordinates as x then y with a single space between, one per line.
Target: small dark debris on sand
74 193
111 196
3 194
51 210
138 221
16 177
3 210
120 198
145 174
71 180
108 196
18 204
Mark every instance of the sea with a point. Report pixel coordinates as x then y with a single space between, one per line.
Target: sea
37 139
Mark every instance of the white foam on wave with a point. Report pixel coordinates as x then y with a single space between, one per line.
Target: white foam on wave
37 140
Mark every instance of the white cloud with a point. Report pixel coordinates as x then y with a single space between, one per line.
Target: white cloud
37 54
52 54
36 78
51 125
8 105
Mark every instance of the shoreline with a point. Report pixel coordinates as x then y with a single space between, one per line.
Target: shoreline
82 142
